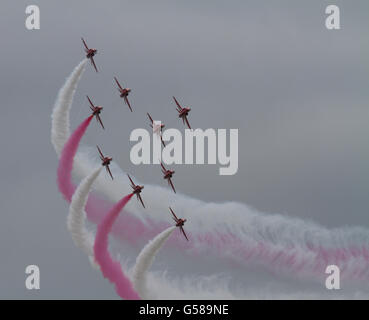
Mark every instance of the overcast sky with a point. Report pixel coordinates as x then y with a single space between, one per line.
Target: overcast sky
297 92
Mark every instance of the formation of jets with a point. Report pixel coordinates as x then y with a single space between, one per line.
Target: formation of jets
157 129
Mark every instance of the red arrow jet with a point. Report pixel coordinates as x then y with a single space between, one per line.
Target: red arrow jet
124 92
168 174
179 222
90 53
182 112
157 128
105 161
96 110
136 190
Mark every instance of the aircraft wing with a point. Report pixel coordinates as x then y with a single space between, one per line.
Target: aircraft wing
139 197
99 120
84 43
93 63
116 80
171 184
101 155
177 103
127 102
184 233
174 215
108 170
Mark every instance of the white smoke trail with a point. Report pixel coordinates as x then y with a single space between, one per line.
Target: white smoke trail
249 226
60 116
82 238
231 219
145 259
217 288
242 222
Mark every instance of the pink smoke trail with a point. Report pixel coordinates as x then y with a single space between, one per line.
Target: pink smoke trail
112 269
259 245
95 205
135 230
65 184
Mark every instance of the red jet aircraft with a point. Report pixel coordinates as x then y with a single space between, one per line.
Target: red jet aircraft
157 128
168 174
90 53
105 161
96 110
136 190
124 92
183 112
179 222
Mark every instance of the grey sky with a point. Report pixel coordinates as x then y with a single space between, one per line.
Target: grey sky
297 92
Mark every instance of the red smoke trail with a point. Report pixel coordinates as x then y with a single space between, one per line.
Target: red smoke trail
65 184
94 204
111 269
135 230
